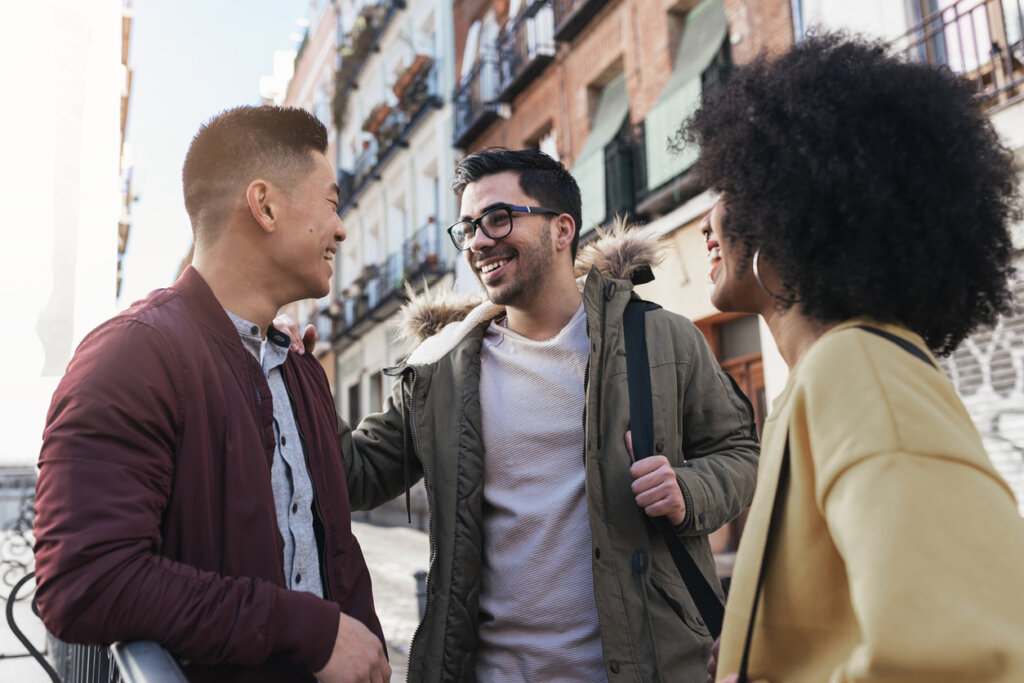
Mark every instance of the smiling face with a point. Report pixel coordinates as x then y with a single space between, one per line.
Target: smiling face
514 269
310 230
733 287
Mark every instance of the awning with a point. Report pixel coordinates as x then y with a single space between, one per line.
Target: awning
703 33
612 110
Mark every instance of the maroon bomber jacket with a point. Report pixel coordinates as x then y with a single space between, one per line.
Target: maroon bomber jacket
154 509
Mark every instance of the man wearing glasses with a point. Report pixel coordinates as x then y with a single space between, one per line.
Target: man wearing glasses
543 564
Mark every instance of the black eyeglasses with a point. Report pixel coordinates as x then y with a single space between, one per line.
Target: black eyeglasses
495 222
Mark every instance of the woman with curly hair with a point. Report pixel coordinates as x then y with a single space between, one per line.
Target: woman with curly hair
864 214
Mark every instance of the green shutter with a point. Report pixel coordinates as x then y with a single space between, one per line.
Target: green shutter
612 109
705 29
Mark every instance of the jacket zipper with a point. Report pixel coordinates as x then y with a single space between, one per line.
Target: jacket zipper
430 516
259 401
609 292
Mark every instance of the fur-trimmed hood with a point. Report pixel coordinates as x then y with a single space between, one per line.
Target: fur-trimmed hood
624 252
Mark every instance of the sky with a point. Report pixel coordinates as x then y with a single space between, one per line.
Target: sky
191 59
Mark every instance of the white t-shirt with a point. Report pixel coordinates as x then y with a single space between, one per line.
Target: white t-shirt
538 614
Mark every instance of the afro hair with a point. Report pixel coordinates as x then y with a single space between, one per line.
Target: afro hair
874 185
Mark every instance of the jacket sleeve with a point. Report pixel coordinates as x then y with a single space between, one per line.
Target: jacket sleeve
380 462
720 444
935 598
105 477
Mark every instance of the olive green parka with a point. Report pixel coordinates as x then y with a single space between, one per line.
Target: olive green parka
431 428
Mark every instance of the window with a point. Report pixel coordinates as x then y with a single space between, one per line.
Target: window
611 112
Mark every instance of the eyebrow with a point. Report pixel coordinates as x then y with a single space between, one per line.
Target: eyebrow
495 205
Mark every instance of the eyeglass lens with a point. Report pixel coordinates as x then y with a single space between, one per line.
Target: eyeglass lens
496 224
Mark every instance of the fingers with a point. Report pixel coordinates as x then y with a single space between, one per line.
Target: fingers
712 665
629 445
309 338
649 465
656 489
284 323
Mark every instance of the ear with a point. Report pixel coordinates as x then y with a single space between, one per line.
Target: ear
260 197
565 230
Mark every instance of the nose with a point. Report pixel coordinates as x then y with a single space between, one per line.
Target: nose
479 240
340 233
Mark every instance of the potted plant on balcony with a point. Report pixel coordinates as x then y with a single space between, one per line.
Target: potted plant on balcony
375 119
411 75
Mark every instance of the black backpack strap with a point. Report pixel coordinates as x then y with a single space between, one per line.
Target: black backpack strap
641 423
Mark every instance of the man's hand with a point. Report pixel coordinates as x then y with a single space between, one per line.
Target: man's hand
712 665
300 343
655 486
357 657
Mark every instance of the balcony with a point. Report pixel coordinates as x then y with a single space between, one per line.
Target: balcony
388 127
572 15
981 41
355 47
526 46
475 100
380 290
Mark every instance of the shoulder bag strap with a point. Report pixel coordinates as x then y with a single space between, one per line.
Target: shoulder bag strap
641 423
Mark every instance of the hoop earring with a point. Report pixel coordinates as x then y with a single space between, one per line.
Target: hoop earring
760 282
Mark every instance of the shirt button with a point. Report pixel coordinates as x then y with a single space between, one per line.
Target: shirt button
295 508
298 579
284 440
614 666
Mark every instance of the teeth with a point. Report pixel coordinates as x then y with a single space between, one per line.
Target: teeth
492 266
715 254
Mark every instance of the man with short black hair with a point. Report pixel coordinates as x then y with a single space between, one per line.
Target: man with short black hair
543 564
190 489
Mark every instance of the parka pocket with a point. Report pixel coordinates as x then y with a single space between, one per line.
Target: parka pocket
680 602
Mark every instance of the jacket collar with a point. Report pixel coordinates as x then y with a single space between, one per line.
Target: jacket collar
440 320
200 300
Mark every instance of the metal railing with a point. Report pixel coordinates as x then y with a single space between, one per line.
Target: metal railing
978 39
525 47
382 284
356 45
475 100
392 134
135 662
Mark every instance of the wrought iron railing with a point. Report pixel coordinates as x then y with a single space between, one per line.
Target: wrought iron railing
355 47
136 662
525 47
389 135
978 39
475 100
381 286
